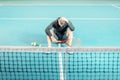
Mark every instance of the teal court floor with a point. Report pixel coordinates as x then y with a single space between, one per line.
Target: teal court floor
95 25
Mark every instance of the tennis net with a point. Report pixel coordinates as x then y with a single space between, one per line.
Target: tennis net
33 63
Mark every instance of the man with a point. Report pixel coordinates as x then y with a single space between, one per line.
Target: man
60 30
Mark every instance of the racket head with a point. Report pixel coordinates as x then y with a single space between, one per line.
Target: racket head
76 42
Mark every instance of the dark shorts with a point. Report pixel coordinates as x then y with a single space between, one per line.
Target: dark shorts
60 36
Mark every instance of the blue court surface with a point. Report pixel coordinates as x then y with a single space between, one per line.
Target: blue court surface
97 57
95 25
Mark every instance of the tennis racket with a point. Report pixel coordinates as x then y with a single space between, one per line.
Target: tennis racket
76 42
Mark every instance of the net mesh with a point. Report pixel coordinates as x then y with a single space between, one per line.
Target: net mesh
29 66
77 65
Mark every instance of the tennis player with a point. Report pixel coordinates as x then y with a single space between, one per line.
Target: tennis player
60 30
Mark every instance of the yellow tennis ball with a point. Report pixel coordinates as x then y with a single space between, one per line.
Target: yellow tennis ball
33 43
40 45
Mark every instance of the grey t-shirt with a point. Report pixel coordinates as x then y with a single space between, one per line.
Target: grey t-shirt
57 29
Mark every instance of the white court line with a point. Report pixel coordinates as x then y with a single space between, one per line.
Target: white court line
53 4
55 18
116 6
27 18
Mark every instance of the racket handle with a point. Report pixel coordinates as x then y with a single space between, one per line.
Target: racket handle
61 41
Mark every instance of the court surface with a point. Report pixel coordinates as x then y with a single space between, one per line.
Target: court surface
95 25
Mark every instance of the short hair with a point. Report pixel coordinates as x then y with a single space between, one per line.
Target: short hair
61 20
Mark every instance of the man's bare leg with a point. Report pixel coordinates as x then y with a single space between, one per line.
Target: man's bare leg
69 34
49 39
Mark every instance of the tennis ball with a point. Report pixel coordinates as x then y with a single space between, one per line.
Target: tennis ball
33 43
40 45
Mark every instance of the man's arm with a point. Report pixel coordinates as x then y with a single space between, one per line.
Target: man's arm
72 28
70 25
50 33
47 30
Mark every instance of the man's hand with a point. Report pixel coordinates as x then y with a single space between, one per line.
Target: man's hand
53 39
64 19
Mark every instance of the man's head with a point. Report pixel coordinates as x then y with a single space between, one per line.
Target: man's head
62 21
